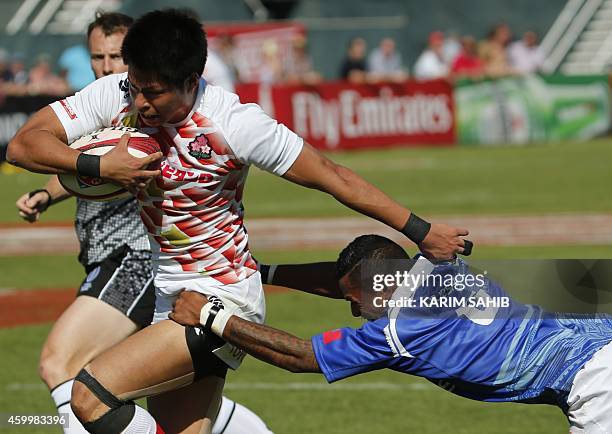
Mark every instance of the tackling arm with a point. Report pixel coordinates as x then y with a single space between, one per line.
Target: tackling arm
318 278
272 346
266 343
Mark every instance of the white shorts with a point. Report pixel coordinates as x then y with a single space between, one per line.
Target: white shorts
245 299
590 399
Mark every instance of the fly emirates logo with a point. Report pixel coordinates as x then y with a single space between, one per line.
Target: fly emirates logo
352 115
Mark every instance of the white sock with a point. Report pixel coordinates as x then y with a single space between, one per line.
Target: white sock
142 423
61 396
234 418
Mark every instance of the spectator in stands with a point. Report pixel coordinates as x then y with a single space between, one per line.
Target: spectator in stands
13 76
217 73
20 75
452 47
354 66
226 49
492 51
431 65
6 75
76 64
525 55
42 80
271 70
300 70
385 63
467 63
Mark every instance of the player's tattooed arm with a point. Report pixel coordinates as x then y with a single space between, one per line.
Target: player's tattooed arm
266 343
271 345
318 278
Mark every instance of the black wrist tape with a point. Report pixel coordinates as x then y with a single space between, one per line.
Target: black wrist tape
88 165
42 190
467 248
264 270
211 317
416 229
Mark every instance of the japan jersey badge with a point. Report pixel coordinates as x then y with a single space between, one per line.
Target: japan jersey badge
199 148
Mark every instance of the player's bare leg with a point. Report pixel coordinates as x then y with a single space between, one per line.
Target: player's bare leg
154 360
85 329
226 417
198 403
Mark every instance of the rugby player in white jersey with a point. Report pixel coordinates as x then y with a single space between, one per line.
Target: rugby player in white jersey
117 297
192 208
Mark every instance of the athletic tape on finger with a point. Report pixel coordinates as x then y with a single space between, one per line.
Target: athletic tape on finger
467 248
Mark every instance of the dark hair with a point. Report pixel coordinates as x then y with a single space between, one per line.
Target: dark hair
191 13
168 44
110 22
373 247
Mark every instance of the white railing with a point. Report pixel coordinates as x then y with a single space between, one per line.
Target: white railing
560 26
573 28
44 16
603 55
57 16
25 10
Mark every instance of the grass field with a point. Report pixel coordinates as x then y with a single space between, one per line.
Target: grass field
571 177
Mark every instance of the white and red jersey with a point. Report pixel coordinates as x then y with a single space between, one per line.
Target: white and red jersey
193 212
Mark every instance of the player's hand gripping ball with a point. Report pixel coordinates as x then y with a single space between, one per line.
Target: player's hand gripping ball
100 142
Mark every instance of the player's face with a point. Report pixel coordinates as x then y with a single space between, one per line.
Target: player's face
362 301
105 53
159 103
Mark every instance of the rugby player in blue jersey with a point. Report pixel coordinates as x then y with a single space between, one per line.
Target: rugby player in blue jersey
469 337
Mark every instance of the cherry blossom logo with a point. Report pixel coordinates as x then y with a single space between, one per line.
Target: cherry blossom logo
199 148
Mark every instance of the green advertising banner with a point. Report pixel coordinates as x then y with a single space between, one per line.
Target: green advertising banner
532 108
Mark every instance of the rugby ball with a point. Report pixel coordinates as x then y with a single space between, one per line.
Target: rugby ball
99 143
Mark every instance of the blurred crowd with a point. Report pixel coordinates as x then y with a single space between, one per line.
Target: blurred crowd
16 80
445 56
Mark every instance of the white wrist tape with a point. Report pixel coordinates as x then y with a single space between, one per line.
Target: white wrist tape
218 322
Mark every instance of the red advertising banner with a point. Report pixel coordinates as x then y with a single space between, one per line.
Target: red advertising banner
338 115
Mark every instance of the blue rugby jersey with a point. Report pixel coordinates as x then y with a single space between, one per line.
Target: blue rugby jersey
506 351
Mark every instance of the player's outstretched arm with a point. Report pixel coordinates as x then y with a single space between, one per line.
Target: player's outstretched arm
266 343
313 170
318 278
271 345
